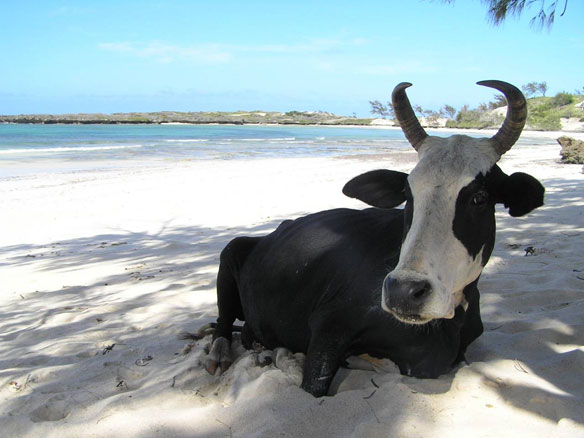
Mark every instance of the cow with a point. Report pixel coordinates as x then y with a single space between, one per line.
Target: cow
397 283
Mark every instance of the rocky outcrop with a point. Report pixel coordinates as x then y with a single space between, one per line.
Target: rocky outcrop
572 150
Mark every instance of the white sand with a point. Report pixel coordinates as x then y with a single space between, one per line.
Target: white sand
129 257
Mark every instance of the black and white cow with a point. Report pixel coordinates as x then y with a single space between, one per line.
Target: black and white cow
392 283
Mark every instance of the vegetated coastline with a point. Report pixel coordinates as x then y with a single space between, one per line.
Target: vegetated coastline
232 118
563 112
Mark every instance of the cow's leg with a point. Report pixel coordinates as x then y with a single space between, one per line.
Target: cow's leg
247 337
229 310
473 325
326 351
228 302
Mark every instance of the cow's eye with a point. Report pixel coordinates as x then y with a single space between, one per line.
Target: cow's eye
480 198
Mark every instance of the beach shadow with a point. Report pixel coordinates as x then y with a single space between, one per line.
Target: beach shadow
81 343
532 305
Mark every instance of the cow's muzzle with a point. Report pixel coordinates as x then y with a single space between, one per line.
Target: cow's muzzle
406 299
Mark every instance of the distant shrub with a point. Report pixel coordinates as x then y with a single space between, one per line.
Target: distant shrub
562 99
468 116
299 114
475 118
544 120
498 102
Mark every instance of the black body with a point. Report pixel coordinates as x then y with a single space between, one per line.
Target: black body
314 286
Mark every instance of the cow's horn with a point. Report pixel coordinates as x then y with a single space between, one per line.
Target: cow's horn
515 118
406 117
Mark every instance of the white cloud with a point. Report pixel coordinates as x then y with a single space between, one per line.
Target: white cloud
215 53
306 47
167 53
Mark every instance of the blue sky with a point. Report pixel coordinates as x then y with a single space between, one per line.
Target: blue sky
119 56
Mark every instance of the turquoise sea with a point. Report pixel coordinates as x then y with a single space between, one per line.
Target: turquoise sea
120 142
26 149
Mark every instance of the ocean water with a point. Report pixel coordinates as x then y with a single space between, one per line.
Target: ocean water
29 149
122 142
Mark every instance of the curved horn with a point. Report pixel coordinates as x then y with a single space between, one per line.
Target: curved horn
406 117
515 118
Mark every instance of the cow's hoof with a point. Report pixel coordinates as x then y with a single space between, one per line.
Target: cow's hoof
219 357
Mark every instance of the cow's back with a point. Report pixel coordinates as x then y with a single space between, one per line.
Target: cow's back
316 264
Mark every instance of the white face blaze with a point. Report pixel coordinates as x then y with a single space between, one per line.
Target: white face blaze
431 251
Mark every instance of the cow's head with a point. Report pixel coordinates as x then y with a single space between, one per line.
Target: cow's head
450 197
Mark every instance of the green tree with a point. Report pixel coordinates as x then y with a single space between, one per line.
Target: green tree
418 109
497 102
378 108
499 10
531 89
450 111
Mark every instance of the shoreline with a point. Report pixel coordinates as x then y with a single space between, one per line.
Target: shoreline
531 132
14 166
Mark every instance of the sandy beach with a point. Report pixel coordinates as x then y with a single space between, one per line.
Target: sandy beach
103 270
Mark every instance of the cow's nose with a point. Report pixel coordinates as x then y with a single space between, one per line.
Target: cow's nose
405 297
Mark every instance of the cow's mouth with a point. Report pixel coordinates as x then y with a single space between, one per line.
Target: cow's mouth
410 319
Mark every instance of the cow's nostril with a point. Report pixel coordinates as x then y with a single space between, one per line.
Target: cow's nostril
420 290
405 297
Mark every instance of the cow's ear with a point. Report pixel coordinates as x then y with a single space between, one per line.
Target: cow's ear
520 193
379 188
